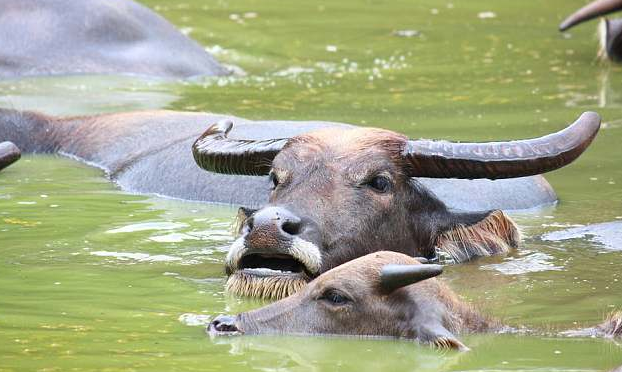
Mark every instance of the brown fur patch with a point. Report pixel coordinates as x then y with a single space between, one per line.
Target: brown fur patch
465 318
345 143
495 234
269 287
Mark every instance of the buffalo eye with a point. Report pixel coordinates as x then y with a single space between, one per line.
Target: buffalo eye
380 184
274 180
335 298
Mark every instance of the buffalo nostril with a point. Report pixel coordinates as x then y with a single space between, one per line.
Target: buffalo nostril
225 327
224 323
291 227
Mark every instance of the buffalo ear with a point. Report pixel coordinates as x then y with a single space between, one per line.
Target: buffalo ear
440 337
240 219
394 277
475 234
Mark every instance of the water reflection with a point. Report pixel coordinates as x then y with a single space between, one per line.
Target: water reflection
272 353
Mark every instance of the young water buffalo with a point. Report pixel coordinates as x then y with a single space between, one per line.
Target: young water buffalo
383 294
610 31
54 37
9 154
338 195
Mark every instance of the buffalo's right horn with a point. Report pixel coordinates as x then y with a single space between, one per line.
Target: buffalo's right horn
214 152
393 277
493 160
592 10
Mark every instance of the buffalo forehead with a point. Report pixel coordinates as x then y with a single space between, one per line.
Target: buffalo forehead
334 145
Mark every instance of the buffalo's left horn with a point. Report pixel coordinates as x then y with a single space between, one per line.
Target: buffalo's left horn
592 10
9 154
393 277
493 160
214 152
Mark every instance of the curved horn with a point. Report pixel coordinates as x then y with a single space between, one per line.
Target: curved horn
9 154
214 152
393 277
590 11
493 160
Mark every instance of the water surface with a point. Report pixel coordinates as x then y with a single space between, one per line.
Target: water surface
92 278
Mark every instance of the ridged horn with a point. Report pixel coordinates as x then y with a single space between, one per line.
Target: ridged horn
493 160
393 277
214 152
592 10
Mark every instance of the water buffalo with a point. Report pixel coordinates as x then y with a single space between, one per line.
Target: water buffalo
382 294
9 154
337 195
51 37
610 31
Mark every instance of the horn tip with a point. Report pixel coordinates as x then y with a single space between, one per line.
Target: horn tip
565 25
224 125
590 117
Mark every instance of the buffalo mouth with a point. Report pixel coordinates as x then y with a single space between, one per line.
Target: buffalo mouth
271 272
268 276
271 265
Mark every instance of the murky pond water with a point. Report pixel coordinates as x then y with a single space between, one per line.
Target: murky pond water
92 278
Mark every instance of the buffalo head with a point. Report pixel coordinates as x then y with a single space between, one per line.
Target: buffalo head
383 294
340 194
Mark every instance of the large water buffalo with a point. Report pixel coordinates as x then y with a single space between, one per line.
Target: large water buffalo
610 31
382 294
51 37
9 154
337 195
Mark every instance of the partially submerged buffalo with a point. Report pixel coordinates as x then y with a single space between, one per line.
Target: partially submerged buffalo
337 195
150 152
52 37
610 30
9 154
382 294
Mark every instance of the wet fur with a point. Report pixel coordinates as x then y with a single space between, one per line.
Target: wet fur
495 234
241 284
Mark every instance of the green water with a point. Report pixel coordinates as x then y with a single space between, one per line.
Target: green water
92 278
